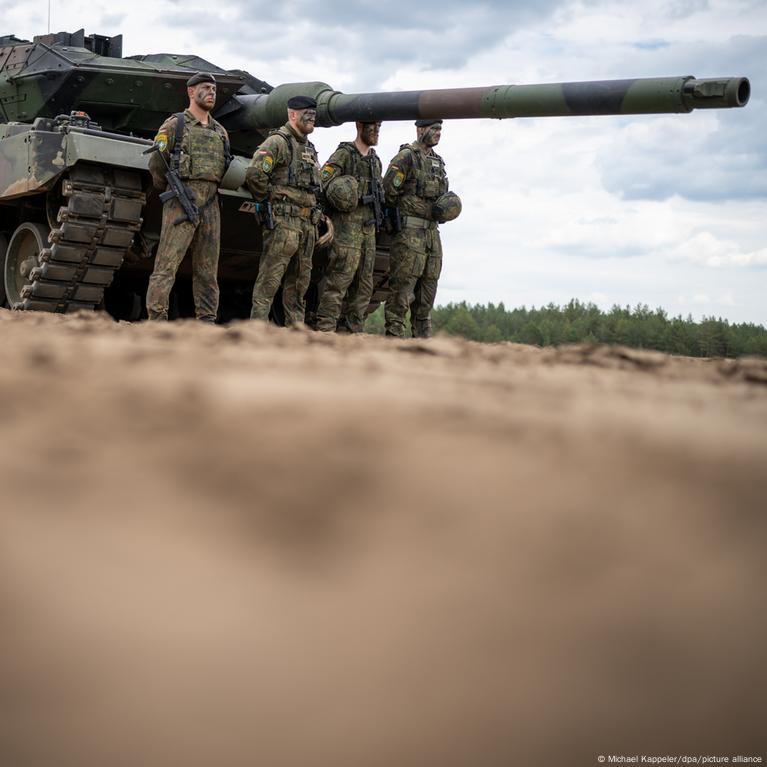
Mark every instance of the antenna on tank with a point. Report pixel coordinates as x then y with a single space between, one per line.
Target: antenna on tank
49 16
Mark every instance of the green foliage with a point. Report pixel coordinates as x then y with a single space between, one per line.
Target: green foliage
552 325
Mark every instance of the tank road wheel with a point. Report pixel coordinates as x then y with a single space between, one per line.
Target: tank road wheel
22 256
3 251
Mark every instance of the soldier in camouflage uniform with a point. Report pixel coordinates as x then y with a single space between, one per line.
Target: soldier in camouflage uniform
285 171
201 156
414 180
353 253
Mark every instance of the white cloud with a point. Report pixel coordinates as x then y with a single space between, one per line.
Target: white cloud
704 248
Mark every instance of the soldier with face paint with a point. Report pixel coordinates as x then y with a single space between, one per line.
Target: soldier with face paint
200 155
350 177
285 171
414 181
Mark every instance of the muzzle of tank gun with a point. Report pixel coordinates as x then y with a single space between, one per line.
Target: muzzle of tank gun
716 93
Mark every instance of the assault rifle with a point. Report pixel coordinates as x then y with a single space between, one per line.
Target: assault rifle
395 219
176 188
376 199
265 214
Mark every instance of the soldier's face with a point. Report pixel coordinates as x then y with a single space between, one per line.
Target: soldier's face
203 95
430 135
303 119
369 133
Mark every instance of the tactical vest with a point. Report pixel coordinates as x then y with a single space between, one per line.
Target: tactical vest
203 153
428 179
302 170
367 169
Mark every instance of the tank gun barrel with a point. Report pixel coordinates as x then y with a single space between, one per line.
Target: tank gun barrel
658 95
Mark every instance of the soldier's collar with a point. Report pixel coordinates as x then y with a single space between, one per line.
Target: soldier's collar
188 115
298 136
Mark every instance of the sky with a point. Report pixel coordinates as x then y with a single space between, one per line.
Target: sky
664 210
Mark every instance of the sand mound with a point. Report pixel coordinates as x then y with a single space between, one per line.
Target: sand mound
249 546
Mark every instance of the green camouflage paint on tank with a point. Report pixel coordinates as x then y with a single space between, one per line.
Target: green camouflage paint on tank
31 161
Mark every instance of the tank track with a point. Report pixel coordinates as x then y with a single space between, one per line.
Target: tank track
101 214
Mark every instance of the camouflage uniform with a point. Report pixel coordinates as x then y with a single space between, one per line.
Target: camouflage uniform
285 170
353 252
414 179
202 164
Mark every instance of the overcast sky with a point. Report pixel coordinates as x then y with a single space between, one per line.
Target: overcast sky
666 210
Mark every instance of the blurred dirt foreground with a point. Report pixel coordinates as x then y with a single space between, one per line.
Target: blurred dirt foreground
249 546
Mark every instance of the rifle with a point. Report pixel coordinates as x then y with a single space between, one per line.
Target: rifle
265 214
394 218
376 199
176 188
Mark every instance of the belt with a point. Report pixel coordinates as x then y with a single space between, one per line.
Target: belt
416 222
287 209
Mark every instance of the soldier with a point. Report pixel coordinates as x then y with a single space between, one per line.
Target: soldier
417 185
352 181
197 147
285 172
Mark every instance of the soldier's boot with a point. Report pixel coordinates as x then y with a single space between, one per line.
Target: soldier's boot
421 329
424 293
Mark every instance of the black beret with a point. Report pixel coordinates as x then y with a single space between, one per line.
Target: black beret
200 77
302 102
426 123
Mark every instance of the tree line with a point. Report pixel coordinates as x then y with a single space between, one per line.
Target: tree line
640 328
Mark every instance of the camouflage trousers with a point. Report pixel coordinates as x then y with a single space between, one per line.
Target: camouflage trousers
288 250
202 240
349 280
415 266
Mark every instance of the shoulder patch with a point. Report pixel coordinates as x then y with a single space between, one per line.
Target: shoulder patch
328 171
161 139
267 163
398 178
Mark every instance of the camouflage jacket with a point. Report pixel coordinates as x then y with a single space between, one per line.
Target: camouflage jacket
204 150
414 179
347 160
285 168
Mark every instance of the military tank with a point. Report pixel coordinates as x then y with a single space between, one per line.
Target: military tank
79 220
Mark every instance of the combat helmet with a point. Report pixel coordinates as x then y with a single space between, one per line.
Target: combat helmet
446 207
342 193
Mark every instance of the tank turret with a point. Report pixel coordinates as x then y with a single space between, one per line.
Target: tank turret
79 221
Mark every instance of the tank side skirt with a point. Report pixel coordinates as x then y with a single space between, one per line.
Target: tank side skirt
96 228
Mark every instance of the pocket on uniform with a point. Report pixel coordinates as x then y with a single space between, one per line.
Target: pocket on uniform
416 244
281 241
433 267
344 259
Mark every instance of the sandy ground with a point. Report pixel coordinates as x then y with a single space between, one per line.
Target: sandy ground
251 546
